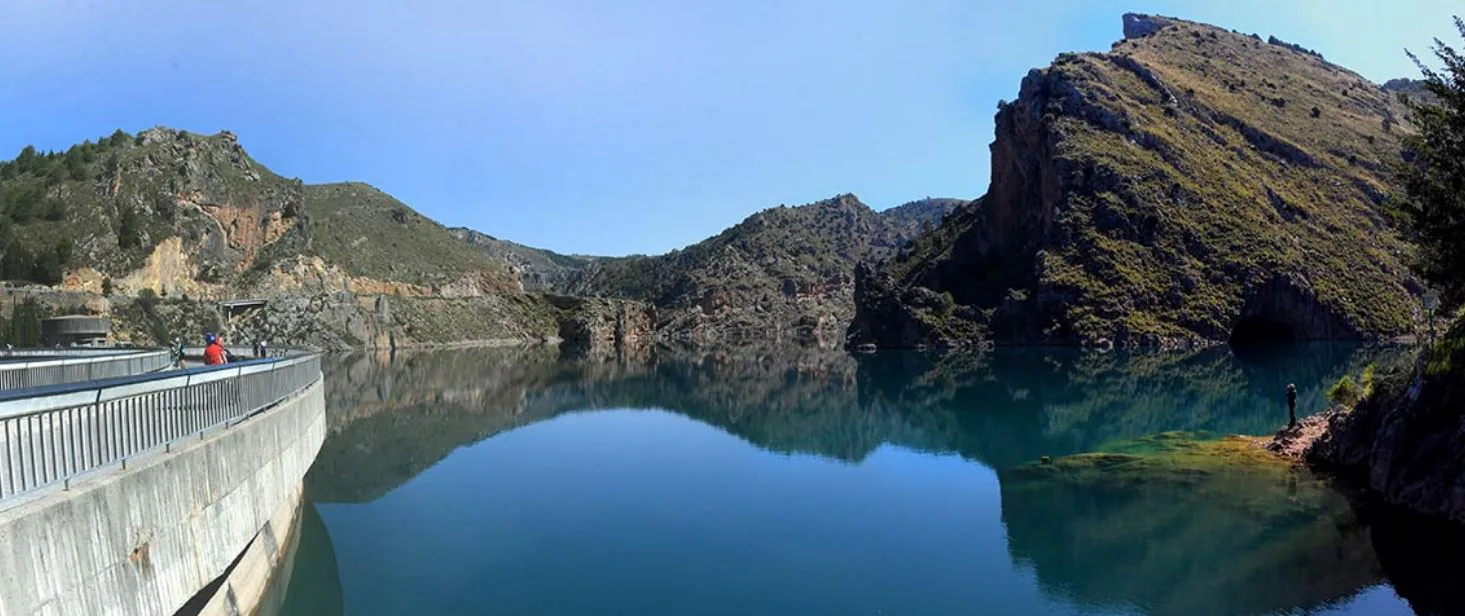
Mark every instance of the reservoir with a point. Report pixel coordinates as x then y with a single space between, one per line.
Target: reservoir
493 481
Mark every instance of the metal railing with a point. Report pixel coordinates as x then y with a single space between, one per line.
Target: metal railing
39 367
240 352
49 435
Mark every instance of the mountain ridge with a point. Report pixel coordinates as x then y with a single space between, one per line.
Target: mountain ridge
1192 184
784 273
193 218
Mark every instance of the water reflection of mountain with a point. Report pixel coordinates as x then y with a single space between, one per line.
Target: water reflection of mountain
1423 558
314 584
1239 540
392 417
1182 542
1188 536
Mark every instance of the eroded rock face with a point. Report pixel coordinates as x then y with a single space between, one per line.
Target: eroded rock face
169 211
538 270
910 318
593 324
1168 192
1137 25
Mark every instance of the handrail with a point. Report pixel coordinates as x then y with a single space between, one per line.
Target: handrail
53 433
70 367
67 351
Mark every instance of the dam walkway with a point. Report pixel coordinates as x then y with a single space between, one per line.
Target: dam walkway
128 486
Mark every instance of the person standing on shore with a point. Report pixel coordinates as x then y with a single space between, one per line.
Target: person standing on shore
1291 405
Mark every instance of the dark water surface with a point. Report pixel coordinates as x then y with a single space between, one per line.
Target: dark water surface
520 482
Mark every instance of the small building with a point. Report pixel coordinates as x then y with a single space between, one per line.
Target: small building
235 307
76 330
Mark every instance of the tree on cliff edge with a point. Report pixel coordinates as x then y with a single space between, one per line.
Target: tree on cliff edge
1433 175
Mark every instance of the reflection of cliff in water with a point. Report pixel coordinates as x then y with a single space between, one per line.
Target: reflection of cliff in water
1019 404
315 580
1424 559
1186 534
393 417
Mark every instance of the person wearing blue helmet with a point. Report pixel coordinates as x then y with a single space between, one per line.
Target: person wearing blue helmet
213 353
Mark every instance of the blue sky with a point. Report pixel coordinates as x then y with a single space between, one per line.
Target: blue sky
603 127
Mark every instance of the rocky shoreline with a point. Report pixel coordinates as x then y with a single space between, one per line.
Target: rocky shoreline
1404 446
1293 442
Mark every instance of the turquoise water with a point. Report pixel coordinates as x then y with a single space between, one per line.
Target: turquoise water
519 482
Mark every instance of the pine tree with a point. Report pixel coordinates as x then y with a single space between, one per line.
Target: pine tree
1433 175
129 231
25 325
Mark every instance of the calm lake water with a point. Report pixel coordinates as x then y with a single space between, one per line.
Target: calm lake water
521 482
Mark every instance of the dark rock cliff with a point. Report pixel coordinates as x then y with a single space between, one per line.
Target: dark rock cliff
1406 443
1193 184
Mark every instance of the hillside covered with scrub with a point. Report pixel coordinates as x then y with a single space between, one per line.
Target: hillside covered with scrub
1191 183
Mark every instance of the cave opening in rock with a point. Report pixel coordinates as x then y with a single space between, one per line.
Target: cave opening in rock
1262 330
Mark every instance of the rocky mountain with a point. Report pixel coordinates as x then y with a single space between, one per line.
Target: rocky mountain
374 237
179 214
920 216
783 274
153 229
538 269
1191 184
168 211
1413 88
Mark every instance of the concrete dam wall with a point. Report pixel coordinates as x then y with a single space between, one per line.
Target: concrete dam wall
146 539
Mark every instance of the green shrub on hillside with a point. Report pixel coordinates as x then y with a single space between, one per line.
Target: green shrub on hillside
1345 392
1349 392
129 234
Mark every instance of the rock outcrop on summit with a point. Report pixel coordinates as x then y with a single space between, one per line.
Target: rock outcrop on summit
1192 184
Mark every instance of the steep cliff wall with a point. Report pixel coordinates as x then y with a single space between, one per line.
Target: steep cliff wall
1191 184
1406 443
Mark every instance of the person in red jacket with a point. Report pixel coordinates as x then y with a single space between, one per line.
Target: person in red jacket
213 354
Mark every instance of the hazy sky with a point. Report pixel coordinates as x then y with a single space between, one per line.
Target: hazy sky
605 127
